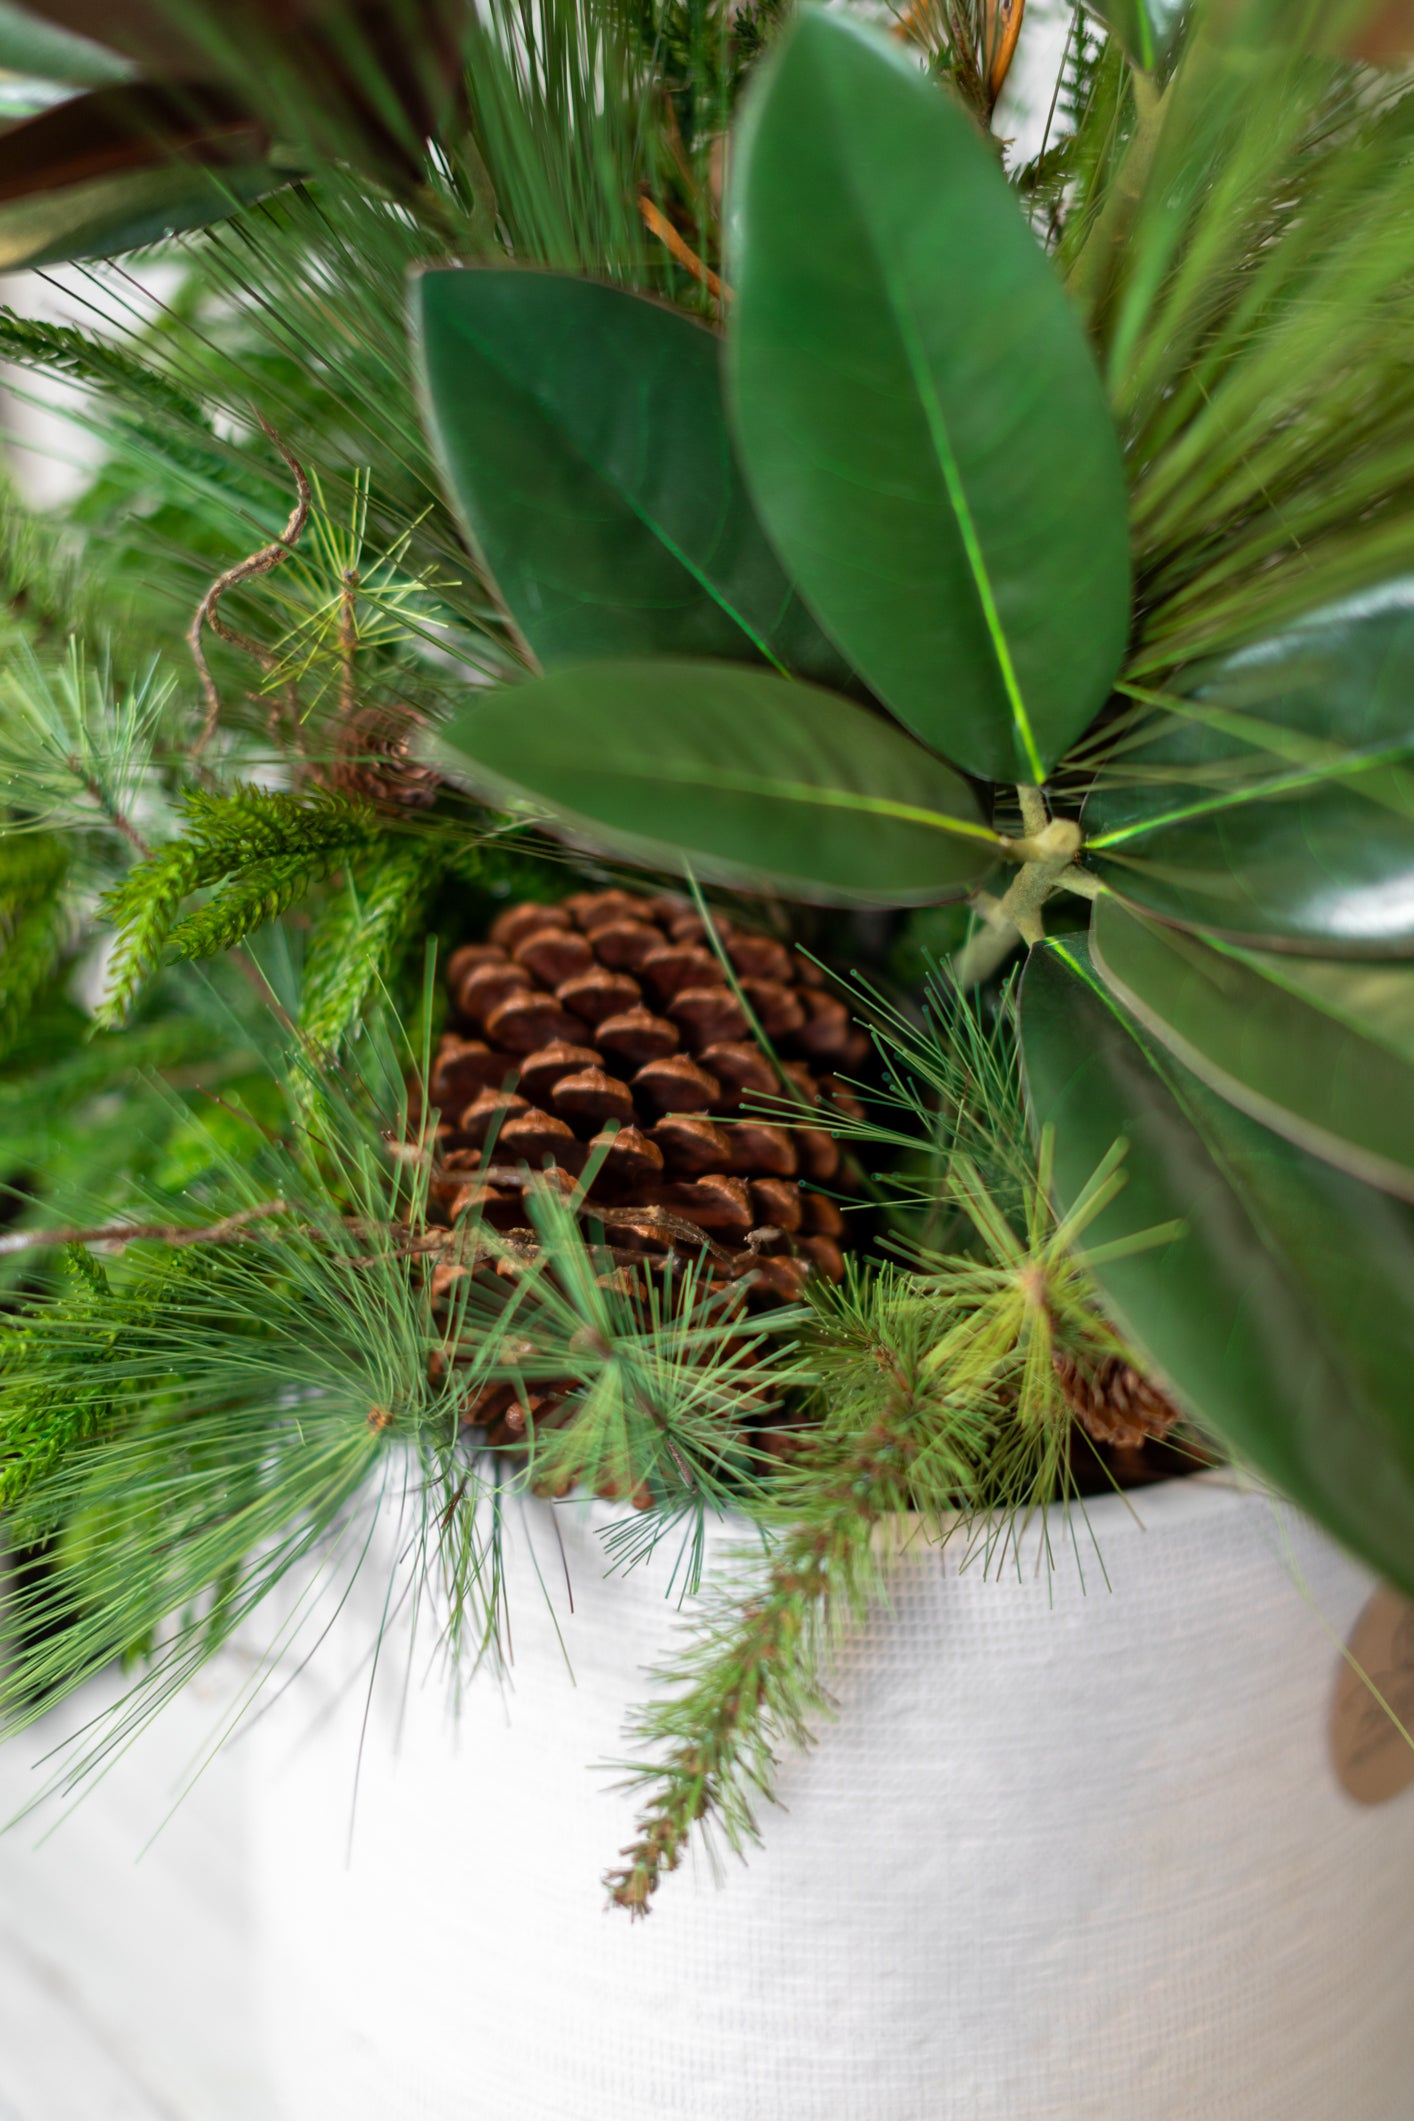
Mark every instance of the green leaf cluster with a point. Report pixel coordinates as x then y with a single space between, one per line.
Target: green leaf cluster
1114 546
1027 547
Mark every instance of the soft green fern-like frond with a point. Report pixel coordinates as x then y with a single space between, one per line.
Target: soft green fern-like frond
360 934
264 847
83 357
144 909
57 1372
260 892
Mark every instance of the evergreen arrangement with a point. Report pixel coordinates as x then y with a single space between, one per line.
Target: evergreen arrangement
712 801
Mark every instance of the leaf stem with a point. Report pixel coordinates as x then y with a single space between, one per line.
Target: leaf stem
1048 855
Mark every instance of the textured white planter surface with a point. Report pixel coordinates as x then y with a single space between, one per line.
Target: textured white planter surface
1068 1854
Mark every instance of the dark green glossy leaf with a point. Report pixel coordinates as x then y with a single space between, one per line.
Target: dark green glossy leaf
921 420
581 433
119 167
1320 1050
753 779
1147 29
1279 807
29 45
1283 1316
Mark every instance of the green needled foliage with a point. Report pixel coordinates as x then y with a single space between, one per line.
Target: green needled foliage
263 849
921 421
32 872
756 780
1284 1310
360 936
1327 1062
614 521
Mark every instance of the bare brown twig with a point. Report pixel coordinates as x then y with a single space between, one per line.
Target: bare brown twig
657 221
218 1233
118 819
258 563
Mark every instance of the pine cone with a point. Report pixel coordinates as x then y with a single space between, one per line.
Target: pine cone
374 760
605 1026
1113 1402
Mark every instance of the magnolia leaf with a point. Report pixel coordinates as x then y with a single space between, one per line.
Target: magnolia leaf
581 433
751 778
920 416
118 167
30 45
1322 1052
1148 30
1283 1314
1276 803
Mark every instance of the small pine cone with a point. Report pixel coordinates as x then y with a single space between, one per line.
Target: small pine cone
1113 1402
374 760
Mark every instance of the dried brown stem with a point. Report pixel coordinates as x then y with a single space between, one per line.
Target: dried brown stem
118 819
257 563
1003 20
348 644
230 1228
658 223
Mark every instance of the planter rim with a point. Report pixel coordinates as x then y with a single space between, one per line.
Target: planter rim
1164 1503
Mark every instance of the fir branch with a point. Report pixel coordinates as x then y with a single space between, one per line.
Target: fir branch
143 909
940 1391
260 893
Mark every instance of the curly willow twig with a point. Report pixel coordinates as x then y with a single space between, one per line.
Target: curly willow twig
245 570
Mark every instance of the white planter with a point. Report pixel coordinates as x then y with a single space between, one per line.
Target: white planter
1069 1853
